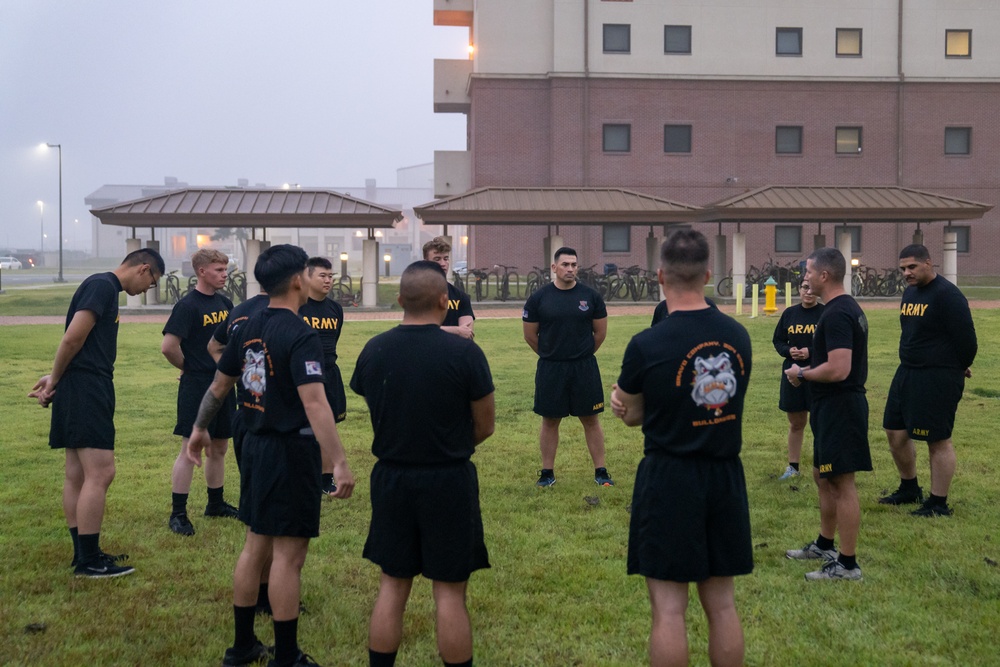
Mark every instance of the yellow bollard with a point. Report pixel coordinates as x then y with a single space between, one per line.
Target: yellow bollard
755 295
770 296
788 295
738 291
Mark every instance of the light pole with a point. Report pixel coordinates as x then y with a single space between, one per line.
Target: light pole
388 258
343 265
60 278
41 229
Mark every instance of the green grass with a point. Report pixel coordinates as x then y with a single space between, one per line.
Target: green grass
557 593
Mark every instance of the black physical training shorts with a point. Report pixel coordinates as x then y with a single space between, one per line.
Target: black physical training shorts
840 433
83 412
335 394
565 388
690 519
280 482
190 392
923 402
793 399
426 520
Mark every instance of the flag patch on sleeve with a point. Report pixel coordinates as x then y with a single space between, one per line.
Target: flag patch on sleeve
313 368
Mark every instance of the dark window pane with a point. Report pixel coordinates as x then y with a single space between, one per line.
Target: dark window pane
617 238
787 238
788 139
848 140
677 39
789 42
958 43
848 41
677 138
957 140
617 38
617 138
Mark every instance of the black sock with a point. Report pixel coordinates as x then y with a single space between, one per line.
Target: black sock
286 641
795 466
547 471
467 663
824 543
262 594
376 659
908 484
89 547
327 480
243 624
849 562
215 496
180 503
74 532
940 501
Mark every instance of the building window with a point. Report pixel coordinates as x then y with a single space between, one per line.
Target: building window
957 140
848 140
855 232
676 138
788 139
788 41
788 238
677 39
849 42
957 43
617 138
617 238
617 38
963 238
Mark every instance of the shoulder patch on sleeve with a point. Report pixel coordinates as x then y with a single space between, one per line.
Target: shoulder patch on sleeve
313 368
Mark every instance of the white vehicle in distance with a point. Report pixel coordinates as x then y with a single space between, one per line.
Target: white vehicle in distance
10 263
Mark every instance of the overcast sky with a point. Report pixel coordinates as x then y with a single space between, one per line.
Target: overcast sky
314 92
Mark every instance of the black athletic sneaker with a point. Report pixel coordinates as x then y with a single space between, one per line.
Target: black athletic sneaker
257 653
222 509
302 661
115 558
546 478
602 478
329 489
933 509
181 524
102 568
903 496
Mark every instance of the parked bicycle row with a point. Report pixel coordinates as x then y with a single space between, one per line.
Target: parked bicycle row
503 283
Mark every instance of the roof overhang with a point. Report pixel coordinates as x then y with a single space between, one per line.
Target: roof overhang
248 208
554 206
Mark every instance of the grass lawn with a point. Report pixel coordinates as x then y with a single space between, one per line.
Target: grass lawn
557 593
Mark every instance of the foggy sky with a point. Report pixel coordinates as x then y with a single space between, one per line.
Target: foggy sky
314 92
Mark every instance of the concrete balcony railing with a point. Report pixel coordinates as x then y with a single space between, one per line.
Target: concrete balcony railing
451 86
452 173
453 12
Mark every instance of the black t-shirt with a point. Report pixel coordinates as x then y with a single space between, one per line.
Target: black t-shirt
327 318
565 320
692 370
936 327
272 354
419 383
842 325
238 315
98 294
661 311
194 319
796 328
459 305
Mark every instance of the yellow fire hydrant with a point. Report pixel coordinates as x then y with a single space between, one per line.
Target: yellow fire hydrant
770 296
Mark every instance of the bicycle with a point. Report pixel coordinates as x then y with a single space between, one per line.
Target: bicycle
236 287
503 281
342 293
482 284
172 288
458 281
536 278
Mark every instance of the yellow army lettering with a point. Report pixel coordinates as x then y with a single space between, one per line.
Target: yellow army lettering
802 329
826 467
598 406
921 431
453 304
214 318
322 322
913 309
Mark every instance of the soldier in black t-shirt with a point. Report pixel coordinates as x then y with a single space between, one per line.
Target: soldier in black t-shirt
792 339
430 395
565 323
937 346
662 310
279 362
837 373
186 337
81 391
460 318
685 381
326 317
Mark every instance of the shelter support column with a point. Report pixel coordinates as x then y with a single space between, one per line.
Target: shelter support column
718 263
254 248
844 246
153 295
949 258
739 261
369 273
918 236
652 252
131 245
550 245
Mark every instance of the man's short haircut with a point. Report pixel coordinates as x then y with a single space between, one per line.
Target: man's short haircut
830 260
421 287
916 251
277 265
145 256
321 262
684 258
563 251
207 256
438 244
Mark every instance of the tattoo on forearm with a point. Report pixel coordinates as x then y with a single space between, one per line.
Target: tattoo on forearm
206 411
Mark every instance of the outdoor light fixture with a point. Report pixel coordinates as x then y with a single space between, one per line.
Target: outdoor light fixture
855 262
388 258
60 278
343 264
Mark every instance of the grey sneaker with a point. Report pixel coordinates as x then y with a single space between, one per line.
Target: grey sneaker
789 473
602 477
812 552
834 570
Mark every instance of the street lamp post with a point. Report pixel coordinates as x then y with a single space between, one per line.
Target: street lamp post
343 264
388 258
60 279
